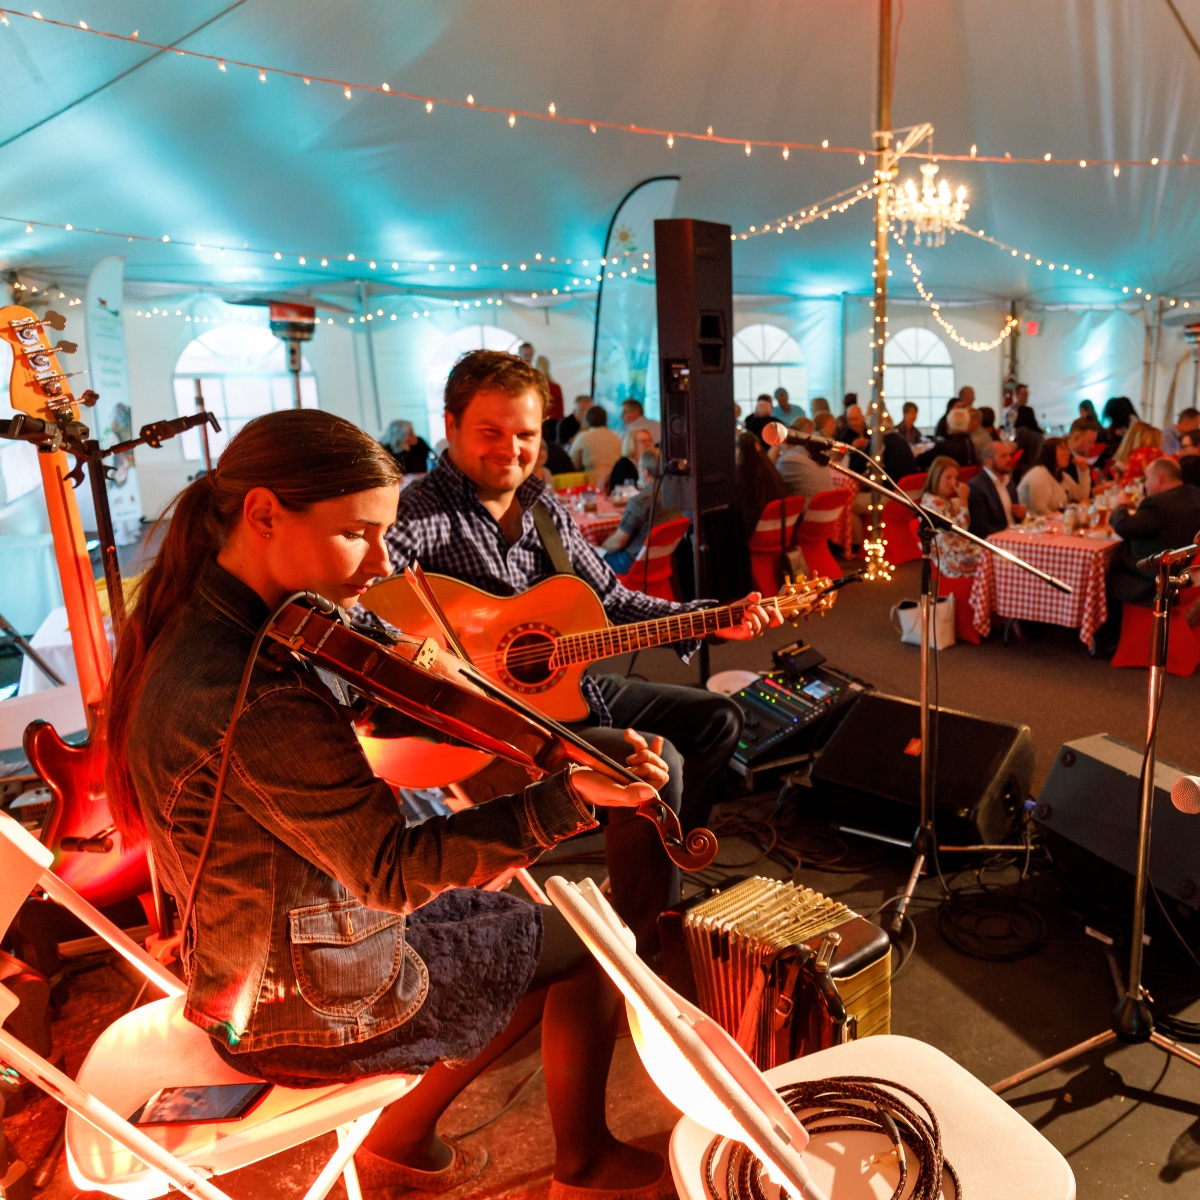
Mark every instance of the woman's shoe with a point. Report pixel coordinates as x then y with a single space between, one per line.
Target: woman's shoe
663 1188
380 1178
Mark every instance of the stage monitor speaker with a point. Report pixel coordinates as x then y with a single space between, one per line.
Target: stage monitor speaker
1088 814
870 771
694 272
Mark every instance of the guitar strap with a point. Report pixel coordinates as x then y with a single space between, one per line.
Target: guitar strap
548 535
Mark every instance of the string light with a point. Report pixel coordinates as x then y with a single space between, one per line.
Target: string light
592 124
540 261
839 202
1010 322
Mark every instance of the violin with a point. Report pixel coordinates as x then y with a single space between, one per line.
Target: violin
397 674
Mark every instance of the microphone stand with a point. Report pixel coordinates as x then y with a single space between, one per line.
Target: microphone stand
924 842
1132 1020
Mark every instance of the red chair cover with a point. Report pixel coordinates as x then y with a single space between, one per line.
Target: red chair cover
772 535
820 520
966 474
1183 646
653 571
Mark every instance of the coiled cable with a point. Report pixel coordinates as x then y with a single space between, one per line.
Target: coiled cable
847 1104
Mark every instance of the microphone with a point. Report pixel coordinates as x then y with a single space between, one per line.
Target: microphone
776 433
1168 556
1185 794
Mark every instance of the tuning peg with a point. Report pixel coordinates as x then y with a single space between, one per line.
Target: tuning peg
65 347
55 320
89 398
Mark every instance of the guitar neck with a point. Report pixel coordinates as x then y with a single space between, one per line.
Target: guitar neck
622 639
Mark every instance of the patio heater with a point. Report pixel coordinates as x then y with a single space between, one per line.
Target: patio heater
293 324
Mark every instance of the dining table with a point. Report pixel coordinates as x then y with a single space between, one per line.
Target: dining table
597 518
1080 558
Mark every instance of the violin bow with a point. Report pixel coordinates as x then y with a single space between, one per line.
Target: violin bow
693 853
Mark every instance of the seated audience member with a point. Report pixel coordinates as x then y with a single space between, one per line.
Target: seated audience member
987 422
852 429
1041 488
595 448
1027 437
1187 420
761 415
964 399
1088 409
556 397
956 557
634 444
848 401
622 547
758 482
542 469
897 454
1119 415
1081 442
976 432
557 459
633 416
801 475
992 497
410 451
907 428
785 411
824 424
1140 446
550 430
572 423
956 444
1168 517
1020 401
819 405
1189 457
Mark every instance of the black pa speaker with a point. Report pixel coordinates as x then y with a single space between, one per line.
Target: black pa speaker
871 771
1088 814
694 274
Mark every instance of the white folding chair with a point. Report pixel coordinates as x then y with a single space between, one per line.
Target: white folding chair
703 1072
153 1047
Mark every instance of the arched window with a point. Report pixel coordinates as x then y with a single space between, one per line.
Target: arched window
443 357
243 374
917 367
765 357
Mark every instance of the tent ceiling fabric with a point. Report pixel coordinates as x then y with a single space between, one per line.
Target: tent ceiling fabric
181 148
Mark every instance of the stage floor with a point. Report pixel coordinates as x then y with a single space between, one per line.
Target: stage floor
1128 1119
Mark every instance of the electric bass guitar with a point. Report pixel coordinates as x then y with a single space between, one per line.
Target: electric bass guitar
80 820
537 644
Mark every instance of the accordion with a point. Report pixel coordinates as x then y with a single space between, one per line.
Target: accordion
783 969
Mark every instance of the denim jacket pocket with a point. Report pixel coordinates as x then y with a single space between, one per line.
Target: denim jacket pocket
346 956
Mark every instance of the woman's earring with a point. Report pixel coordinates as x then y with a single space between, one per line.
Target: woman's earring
266 535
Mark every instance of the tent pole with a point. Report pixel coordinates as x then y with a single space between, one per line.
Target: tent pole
884 170
1153 388
362 316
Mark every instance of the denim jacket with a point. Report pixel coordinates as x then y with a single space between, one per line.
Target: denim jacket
297 934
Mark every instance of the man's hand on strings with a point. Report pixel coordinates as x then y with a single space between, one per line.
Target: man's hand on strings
646 761
756 620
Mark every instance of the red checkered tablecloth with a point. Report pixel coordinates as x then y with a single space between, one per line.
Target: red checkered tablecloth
1004 589
597 527
844 534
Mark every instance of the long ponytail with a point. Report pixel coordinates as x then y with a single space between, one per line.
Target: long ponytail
303 456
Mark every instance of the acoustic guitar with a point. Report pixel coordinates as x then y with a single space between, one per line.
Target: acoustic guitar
537 644
80 820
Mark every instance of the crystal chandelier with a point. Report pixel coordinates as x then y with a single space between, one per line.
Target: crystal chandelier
932 212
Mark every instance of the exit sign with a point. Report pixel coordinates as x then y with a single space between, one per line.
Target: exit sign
1032 328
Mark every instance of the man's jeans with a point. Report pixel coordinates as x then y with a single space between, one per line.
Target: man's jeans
700 731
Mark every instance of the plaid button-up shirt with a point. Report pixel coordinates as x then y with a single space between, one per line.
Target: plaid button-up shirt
443 525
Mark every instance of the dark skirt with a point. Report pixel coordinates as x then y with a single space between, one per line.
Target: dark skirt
482 950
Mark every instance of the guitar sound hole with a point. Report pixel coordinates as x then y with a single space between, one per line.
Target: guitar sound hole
527 658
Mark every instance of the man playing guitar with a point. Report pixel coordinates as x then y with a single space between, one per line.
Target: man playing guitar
483 516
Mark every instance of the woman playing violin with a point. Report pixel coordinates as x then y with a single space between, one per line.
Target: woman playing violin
329 940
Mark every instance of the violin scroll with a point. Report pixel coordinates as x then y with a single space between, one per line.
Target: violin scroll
691 854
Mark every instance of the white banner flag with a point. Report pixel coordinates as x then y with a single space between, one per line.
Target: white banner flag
111 420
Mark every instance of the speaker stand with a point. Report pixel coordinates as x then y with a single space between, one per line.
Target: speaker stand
1132 1021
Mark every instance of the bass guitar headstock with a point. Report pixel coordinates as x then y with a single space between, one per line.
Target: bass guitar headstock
802 597
38 386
